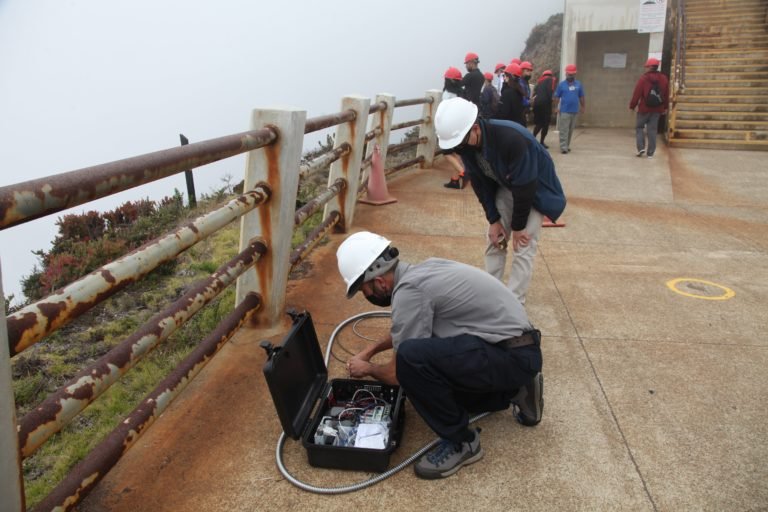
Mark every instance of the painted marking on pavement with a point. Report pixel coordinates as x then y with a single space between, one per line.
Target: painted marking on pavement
673 285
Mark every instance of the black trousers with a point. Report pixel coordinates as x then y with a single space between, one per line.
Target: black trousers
446 379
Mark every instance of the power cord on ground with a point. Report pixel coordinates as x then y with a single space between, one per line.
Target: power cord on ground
375 479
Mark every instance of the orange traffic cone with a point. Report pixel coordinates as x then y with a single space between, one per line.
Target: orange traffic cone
549 223
377 184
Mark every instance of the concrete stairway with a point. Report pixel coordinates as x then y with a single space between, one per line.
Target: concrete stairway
724 102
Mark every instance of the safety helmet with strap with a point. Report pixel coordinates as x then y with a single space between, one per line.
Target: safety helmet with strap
362 257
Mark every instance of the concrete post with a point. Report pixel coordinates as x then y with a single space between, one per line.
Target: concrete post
11 477
348 167
427 129
278 165
382 120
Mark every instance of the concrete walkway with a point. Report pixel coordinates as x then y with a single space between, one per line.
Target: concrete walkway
655 393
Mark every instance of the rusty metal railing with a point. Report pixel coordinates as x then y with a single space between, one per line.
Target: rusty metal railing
86 474
60 407
276 148
35 321
37 198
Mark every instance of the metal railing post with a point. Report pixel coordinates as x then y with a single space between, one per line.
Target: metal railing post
381 120
11 477
427 150
278 165
348 167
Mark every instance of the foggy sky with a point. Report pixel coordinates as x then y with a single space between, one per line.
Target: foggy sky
84 82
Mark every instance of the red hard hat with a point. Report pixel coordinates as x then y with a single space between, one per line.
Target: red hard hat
488 76
526 65
471 56
570 69
513 69
515 61
453 73
652 62
499 66
547 72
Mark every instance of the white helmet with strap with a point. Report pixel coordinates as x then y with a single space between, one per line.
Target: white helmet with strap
363 256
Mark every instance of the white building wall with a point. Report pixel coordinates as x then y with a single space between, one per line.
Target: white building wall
600 15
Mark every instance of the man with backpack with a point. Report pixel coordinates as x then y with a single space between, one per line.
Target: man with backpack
651 98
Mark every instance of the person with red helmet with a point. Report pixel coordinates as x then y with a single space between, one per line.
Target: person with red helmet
452 87
511 107
526 69
569 102
498 79
542 105
651 98
489 98
473 81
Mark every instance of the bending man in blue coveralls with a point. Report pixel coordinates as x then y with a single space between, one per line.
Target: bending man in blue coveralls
514 178
463 344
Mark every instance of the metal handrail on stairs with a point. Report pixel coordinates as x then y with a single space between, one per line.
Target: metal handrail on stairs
678 69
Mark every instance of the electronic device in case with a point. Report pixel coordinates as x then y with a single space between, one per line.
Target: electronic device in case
357 425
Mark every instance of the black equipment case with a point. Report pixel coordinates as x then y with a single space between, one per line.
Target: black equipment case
298 378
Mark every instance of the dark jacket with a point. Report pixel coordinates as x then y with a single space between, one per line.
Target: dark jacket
489 101
543 92
473 83
643 87
521 164
511 103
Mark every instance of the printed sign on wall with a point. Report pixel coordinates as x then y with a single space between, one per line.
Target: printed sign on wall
653 14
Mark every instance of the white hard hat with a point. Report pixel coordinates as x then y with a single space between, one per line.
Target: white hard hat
360 255
453 119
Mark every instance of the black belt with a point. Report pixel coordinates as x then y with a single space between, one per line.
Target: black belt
527 338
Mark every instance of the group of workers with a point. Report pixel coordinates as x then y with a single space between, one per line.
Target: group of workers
462 340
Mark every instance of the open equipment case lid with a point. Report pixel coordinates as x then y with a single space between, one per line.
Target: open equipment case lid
296 374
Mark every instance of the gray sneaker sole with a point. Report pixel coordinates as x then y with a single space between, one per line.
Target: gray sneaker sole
434 475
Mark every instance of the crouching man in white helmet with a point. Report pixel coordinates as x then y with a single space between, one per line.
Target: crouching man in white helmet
463 344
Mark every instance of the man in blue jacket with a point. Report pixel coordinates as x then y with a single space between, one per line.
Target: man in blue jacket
514 178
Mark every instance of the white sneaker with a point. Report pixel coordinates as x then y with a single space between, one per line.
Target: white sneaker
640 153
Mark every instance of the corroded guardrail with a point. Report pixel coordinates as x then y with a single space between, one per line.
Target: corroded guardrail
268 218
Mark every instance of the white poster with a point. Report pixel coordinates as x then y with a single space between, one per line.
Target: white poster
652 15
615 60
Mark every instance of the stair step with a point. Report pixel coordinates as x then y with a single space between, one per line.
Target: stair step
726 45
753 145
716 68
725 38
693 76
696 8
757 27
725 91
730 24
754 11
693 83
735 117
750 99
740 135
706 124
723 53
697 106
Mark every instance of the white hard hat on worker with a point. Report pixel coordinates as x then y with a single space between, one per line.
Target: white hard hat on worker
453 120
363 257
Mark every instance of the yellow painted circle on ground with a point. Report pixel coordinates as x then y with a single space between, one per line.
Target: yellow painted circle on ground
727 292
